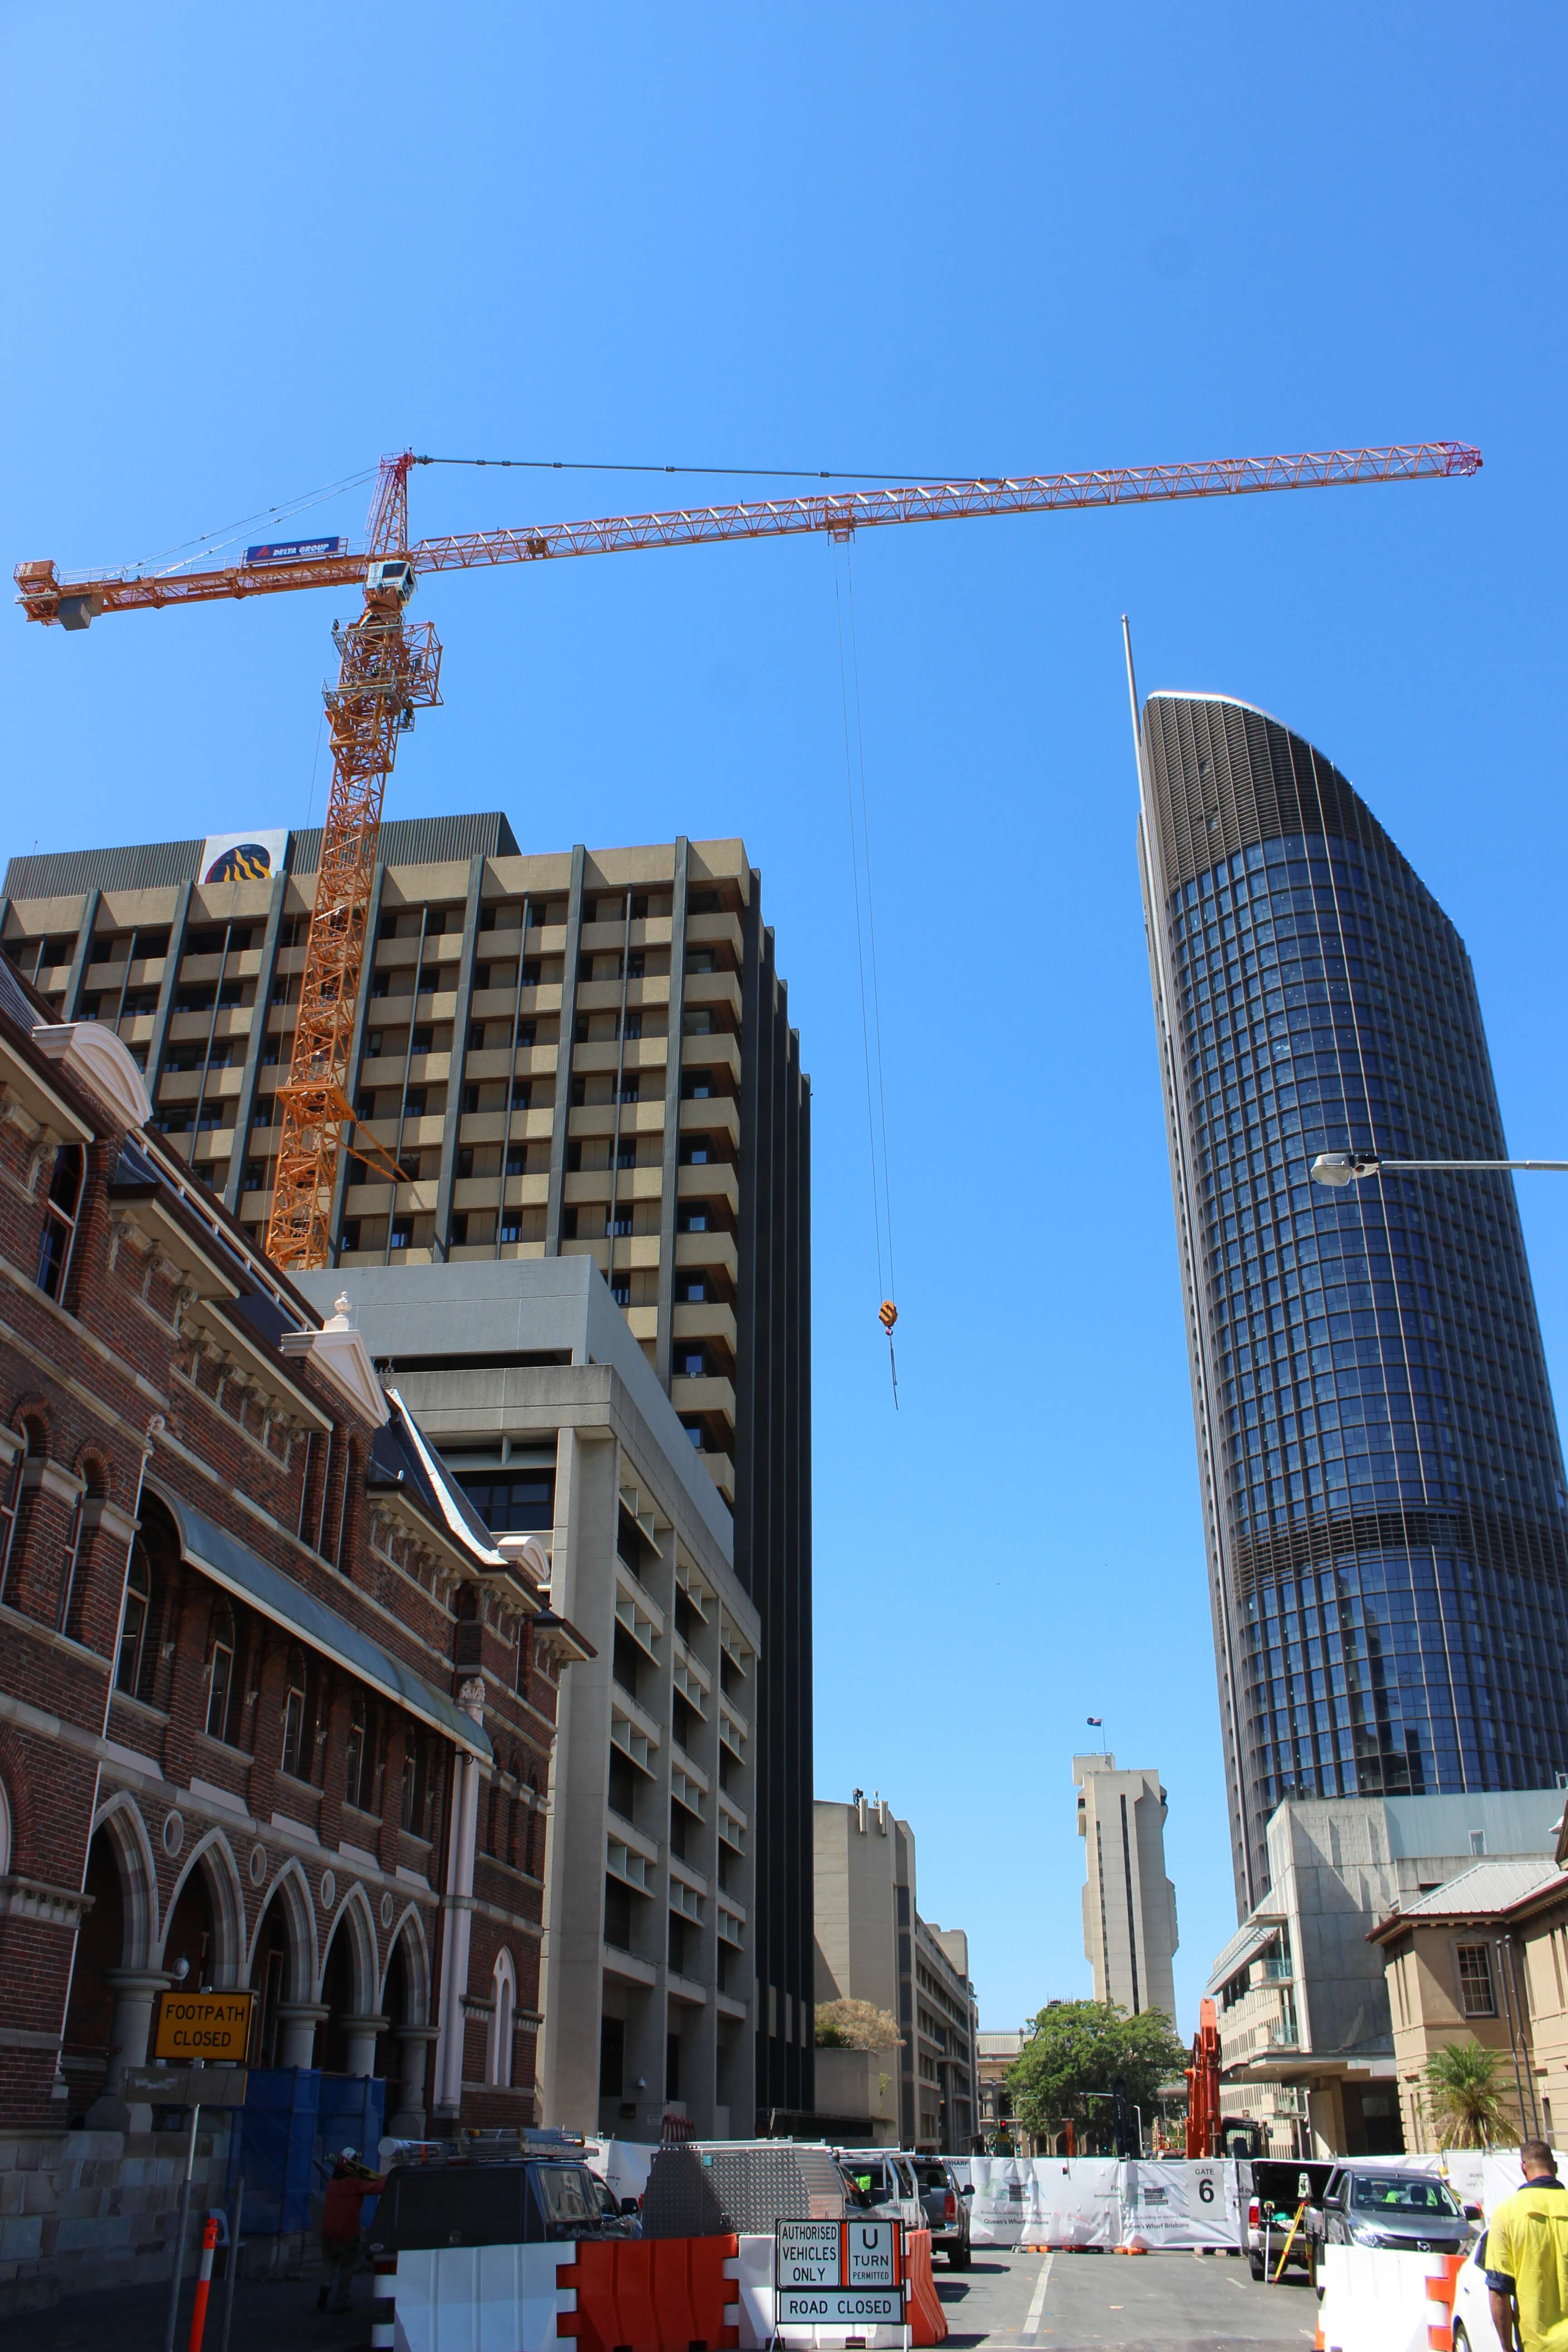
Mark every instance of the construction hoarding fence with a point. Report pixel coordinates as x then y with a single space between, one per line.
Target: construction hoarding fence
1086 2202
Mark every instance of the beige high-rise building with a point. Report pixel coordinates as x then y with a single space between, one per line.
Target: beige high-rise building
872 1945
1129 1904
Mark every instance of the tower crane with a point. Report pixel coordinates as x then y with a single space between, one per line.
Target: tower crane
389 668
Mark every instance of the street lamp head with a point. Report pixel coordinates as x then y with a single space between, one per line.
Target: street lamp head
1337 1168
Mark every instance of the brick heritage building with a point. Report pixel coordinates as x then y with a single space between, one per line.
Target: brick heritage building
274 1710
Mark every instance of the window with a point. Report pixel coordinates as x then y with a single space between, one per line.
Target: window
691 1363
693 1219
294 1758
522 1093
349 1239
623 1788
622 1223
1476 1997
632 1026
621 1286
458 1236
401 1233
476 1037
514 1502
692 1290
255 1176
134 1615
696 1154
419 1042
413 1790
524 1035
465 1159
413 1103
626 1661
357 1759
617 1914
517 1160
697 1089
220 1670
503 1992
694 1432
627 1154
630 1088
470 1099
612 2056
10 1510
59 1236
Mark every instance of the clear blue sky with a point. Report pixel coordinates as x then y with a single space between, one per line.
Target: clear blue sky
248 250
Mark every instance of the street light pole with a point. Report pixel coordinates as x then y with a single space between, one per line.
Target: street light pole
1338 1168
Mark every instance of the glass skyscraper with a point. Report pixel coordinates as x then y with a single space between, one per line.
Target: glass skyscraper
1383 1483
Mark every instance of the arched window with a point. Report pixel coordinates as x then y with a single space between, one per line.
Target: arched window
413 1788
135 1616
357 1759
295 1695
11 1505
59 1236
503 2020
220 1669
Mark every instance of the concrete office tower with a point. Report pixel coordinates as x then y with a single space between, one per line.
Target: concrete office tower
1382 1484
548 1414
872 1945
515 1050
1129 1904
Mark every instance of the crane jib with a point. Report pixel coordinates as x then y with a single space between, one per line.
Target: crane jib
74 600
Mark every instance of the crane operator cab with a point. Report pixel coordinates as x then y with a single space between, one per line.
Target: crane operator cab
389 582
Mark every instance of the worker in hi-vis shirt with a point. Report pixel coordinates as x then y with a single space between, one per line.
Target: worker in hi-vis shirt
1525 2257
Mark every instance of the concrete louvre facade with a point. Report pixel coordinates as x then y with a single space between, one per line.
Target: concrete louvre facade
1129 1904
275 1714
528 1381
1306 2031
872 1945
586 1053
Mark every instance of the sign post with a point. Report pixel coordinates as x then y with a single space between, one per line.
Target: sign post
844 2276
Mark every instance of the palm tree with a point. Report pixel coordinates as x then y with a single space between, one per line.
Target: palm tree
1464 2096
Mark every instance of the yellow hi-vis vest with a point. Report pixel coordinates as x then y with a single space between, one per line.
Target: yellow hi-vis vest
1527 2243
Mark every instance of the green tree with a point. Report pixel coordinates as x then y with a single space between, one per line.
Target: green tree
1464 2096
1076 2049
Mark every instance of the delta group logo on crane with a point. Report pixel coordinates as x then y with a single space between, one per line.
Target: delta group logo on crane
243 856
293 551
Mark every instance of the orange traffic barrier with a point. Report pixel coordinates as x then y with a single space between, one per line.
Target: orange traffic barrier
927 2319
653 2295
1441 2285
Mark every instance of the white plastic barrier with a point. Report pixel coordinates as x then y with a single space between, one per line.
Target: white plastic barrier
754 2272
1194 2202
1374 2301
480 2299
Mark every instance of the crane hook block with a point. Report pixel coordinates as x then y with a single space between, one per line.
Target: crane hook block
887 1315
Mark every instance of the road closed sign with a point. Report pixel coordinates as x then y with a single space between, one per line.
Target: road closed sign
215 2026
838 2274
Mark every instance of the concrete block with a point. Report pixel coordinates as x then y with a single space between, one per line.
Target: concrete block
132 2171
40 2194
21 2236
80 2204
81 2237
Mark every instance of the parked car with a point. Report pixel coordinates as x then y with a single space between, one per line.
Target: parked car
945 2204
509 2201
882 2183
1409 2212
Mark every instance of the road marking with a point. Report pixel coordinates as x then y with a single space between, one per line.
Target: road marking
1037 2307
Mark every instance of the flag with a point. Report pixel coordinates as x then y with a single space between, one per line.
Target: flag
1097 1721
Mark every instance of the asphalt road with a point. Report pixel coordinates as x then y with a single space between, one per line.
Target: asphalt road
1005 2303
1118 2302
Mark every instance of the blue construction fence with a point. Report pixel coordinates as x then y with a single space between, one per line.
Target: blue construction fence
294 2123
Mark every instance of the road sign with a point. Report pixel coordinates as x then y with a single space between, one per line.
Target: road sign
838 2274
210 2025
838 2306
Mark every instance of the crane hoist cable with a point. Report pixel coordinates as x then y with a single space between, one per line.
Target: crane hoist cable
866 950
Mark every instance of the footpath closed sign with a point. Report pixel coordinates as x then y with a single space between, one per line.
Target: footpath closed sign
211 2025
838 2274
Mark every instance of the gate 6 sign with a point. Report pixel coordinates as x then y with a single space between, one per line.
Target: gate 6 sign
838 2274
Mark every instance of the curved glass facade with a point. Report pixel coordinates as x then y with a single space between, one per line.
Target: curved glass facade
1386 1510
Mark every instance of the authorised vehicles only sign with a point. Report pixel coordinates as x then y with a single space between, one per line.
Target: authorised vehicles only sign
838 2274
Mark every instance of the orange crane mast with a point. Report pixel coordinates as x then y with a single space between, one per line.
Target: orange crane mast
388 669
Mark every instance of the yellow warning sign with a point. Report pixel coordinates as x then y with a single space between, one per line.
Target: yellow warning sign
211 2025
